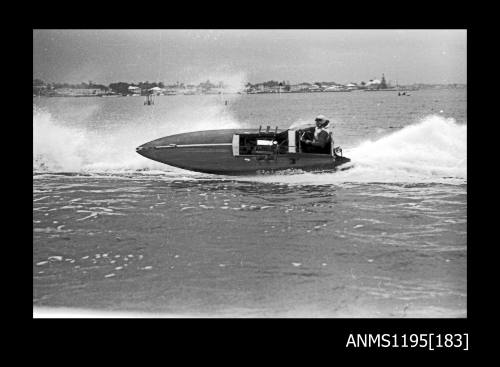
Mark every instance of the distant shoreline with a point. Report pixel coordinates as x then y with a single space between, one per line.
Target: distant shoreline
400 89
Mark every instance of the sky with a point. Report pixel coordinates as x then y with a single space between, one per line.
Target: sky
295 55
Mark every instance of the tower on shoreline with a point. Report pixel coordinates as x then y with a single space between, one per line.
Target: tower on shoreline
383 84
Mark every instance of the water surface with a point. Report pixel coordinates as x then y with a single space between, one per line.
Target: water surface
386 238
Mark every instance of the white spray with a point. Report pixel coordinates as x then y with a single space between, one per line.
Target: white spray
433 150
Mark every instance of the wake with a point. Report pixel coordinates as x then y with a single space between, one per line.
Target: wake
433 150
61 147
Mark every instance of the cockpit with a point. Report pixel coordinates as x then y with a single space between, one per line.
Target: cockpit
273 142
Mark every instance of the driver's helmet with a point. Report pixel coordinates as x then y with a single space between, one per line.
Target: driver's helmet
321 121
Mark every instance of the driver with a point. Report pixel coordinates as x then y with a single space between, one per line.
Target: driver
317 137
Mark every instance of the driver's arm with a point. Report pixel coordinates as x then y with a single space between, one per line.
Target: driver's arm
306 136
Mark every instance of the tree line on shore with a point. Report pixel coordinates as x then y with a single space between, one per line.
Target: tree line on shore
117 87
38 83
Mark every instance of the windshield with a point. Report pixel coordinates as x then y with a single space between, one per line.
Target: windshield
300 125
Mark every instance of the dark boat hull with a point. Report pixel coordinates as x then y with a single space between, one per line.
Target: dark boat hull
212 152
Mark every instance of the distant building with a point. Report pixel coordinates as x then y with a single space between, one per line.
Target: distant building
315 88
79 91
132 89
373 83
334 88
383 84
156 90
274 89
377 84
302 87
191 90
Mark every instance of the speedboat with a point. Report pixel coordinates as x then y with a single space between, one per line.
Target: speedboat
242 151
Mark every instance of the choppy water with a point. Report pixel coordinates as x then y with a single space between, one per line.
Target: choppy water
386 238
